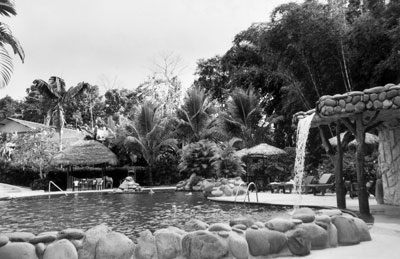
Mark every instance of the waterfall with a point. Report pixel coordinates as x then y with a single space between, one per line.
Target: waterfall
303 128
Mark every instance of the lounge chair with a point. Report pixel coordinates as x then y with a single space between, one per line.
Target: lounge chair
325 182
306 181
277 186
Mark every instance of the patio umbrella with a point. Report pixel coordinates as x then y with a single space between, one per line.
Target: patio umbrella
370 139
260 150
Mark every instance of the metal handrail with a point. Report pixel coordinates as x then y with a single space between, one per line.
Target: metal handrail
247 192
238 191
51 182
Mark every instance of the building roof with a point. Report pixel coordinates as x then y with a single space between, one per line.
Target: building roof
12 125
27 125
86 153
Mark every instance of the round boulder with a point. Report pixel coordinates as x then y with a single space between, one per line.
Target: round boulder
18 250
60 249
219 227
264 242
146 246
114 245
19 236
90 240
238 245
71 233
318 235
3 240
247 221
299 242
195 224
203 244
348 233
280 224
168 243
362 230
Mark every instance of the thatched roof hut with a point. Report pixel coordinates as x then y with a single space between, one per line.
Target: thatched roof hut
86 153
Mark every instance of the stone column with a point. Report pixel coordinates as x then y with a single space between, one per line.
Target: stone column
389 164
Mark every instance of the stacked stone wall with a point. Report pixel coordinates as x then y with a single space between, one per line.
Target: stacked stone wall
372 99
389 164
241 238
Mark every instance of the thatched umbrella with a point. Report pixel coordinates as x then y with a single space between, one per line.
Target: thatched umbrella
370 139
259 151
85 153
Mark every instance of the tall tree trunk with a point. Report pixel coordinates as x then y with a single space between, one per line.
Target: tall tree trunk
60 124
337 160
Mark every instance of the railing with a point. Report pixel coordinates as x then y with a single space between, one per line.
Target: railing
238 191
247 192
51 182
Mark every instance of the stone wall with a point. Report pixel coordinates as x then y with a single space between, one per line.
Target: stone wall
372 99
241 238
389 164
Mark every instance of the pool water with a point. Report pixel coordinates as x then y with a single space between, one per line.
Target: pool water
126 213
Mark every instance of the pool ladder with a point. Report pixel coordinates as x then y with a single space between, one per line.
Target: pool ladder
247 192
51 182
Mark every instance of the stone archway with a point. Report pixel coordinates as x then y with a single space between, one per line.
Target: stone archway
361 111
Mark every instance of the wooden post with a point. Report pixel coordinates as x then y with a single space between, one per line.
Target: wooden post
339 181
362 190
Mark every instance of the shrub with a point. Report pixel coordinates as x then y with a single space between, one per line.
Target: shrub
198 158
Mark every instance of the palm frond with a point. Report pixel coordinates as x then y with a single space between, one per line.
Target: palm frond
6 67
234 140
74 91
145 118
134 144
44 88
7 8
6 37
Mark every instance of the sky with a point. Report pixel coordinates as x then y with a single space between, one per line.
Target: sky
99 41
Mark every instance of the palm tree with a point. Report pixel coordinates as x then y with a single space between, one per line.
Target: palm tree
55 90
243 115
148 135
196 117
6 38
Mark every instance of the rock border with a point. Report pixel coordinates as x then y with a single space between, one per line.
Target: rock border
241 238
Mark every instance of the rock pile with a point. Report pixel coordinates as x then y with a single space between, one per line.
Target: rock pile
212 187
242 238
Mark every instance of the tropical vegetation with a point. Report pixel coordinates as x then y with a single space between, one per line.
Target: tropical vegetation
272 70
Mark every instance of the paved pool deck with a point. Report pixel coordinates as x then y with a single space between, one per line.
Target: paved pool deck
14 192
385 230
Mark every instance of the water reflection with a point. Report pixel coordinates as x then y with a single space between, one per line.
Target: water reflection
125 213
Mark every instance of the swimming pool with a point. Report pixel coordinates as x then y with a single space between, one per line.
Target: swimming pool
125 213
